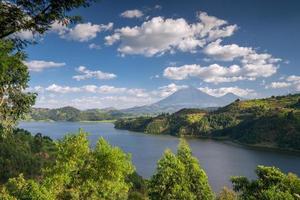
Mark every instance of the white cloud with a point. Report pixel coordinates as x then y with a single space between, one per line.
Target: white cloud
167 90
292 81
104 95
80 32
40 65
87 74
159 35
62 89
253 63
293 78
132 13
94 46
226 52
225 90
25 35
213 73
158 7
276 85
218 74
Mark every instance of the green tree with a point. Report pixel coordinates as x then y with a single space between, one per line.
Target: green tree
227 194
35 16
179 177
271 184
196 177
169 182
19 154
14 76
78 173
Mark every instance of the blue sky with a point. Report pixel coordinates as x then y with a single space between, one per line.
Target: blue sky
133 53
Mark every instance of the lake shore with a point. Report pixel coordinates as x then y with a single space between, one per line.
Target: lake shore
261 147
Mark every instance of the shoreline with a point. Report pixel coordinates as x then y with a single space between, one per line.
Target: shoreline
84 121
221 139
226 140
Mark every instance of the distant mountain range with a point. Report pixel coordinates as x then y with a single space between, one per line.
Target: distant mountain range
69 113
185 98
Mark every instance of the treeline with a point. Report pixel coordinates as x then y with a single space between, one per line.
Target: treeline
272 122
72 114
75 171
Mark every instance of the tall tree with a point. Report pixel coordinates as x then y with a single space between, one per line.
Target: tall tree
14 76
35 16
180 177
195 175
170 182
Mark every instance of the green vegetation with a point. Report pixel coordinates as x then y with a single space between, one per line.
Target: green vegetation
272 122
72 114
14 102
271 184
20 152
35 16
78 173
105 172
37 168
179 177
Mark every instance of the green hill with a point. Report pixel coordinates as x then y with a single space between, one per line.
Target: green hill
271 122
72 114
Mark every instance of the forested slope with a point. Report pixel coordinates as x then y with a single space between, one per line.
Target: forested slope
271 122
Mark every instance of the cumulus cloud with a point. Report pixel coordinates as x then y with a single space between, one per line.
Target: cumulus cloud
62 89
94 46
87 74
80 32
225 90
276 85
226 52
132 13
25 35
253 62
40 65
159 35
167 90
292 81
218 74
104 89
252 65
109 95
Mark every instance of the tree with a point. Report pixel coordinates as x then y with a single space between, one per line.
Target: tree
179 177
196 177
78 173
35 16
169 182
271 184
14 76
226 194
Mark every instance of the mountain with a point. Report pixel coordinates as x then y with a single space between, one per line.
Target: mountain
271 122
73 114
189 97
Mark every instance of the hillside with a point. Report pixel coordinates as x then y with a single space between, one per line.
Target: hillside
189 97
72 114
272 122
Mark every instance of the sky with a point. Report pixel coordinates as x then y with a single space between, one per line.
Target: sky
132 53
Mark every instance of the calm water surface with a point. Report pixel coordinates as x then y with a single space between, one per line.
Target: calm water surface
220 160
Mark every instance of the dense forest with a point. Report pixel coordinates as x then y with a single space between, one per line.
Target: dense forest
72 114
33 167
272 122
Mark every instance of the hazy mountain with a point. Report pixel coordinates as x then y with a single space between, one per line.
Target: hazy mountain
185 98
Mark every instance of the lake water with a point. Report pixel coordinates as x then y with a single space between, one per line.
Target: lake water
220 160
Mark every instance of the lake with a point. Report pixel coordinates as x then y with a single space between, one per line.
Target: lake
220 160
